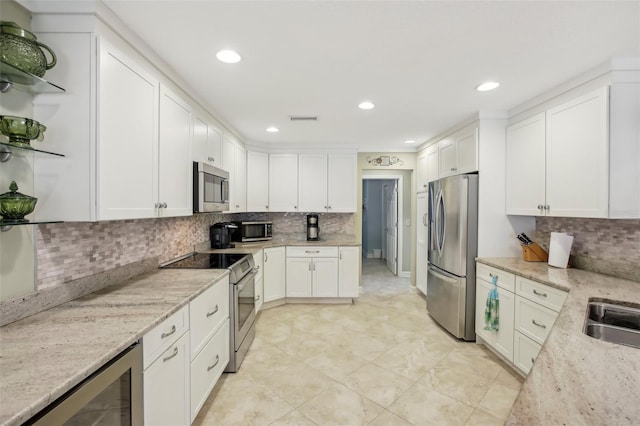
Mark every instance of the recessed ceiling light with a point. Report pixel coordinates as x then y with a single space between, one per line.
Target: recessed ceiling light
272 129
366 105
489 85
410 141
228 56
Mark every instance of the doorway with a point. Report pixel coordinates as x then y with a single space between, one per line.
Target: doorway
381 208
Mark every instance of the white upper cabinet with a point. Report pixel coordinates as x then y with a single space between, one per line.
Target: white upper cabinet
257 181
342 183
433 163
175 165
234 161
312 182
283 182
422 182
577 157
327 183
207 143
458 153
525 166
557 161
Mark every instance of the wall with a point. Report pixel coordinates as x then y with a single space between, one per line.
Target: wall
606 246
405 166
16 246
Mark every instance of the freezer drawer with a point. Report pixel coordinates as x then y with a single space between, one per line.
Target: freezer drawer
451 302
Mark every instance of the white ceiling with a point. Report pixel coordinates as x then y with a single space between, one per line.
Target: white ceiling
418 61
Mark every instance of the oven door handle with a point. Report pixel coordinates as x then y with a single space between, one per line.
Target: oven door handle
250 276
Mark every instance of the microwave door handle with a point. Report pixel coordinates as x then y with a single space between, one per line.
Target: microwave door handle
224 186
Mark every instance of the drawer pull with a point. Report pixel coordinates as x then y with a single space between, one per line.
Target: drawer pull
312 251
532 360
539 325
212 313
539 294
173 330
175 352
258 297
212 366
491 275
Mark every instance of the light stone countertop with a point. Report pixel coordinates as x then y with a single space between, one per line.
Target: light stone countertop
576 379
256 246
46 354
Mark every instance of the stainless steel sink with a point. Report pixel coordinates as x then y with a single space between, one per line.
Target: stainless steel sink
613 323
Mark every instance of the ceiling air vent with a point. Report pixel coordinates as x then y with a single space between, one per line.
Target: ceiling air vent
303 118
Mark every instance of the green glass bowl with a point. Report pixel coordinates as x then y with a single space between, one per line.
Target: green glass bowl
21 130
14 206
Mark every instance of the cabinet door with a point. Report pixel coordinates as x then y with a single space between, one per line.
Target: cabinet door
349 271
274 274
421 242
257 181
342 183
577 154
166 387
312 182
299 277
448 157
422 182
240 177
259 293
467 150
325 277
501 340
127 138
525 167
433 163
229 164
175 164
283 182
200 141
214 144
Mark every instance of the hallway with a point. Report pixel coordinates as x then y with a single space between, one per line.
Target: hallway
379 361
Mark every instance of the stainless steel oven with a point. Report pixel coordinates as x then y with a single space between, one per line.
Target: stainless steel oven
210 189
111 396
253 231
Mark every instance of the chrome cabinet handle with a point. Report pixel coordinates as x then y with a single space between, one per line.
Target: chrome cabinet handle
212 313
175 352
491 275
540 207
340 254
266 207
547 207
312 251
173 330
453 169
212 366
539 325
266 256
257 297
532 360
157 205
295 207
539 294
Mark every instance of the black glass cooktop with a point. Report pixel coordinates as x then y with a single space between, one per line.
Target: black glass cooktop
207 261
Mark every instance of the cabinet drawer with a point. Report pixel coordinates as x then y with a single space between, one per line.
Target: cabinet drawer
158 340
525 351
208 311
312 251
506 280
207 368
543 294
533 320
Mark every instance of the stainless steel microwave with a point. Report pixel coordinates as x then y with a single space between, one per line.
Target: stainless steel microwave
253 231
210 189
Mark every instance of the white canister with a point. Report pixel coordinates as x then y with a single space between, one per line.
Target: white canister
559 249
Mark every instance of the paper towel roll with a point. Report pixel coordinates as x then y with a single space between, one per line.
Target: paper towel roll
559 249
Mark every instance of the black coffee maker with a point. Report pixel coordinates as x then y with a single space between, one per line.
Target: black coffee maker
220 234
313 233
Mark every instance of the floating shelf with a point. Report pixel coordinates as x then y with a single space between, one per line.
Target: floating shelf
8 150
12 77
6 225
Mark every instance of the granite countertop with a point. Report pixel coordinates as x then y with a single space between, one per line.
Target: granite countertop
256 246
45 355
577 379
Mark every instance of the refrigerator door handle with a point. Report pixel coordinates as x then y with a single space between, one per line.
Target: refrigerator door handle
443 277
444 222
440 217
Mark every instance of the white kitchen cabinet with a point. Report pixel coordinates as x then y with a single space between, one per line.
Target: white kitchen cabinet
501 340
433 163
525 352
274 274
312 182
234 161
257 181
349 259
525 166
258 259
458 153
342 183
207 143
283 182
175 163
422 181
312 271
207 312
422 232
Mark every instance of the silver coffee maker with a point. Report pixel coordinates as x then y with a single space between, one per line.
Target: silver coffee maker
313 233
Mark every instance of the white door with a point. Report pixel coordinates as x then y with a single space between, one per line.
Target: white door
283 182
390 198
274 274
325 277
312 182
349 271
257 181
342 183
299 272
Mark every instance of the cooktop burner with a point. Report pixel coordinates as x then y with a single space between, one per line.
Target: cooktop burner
207 261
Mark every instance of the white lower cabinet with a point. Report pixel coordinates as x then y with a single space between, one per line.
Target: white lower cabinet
349 259
258 259
207 367
528 309
274 274
312 271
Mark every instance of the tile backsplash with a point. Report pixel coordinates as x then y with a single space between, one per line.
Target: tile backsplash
608 246
288 225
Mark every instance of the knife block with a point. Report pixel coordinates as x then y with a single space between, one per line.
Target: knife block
534 253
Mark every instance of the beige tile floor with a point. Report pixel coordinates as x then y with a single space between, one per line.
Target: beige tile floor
379 361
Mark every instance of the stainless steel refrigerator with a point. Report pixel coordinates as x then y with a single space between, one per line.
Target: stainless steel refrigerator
453 246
